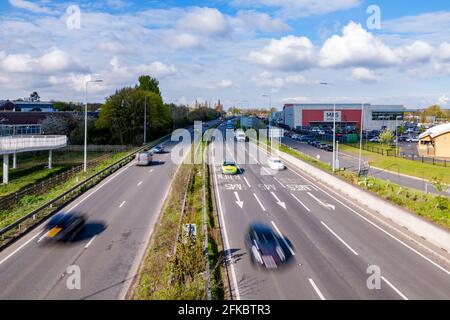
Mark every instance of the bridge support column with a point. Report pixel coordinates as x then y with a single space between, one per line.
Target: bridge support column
5 168
50 155
15 161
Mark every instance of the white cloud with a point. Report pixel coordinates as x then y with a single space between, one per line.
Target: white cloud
28 5
184 41
252 20
156 69
225 84
356 47
111 47
290 53
267 79
206 21
417 52
364 75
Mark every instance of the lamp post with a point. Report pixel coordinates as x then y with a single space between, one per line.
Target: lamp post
334 160
361 137
270 118
85 121
396 134
145 119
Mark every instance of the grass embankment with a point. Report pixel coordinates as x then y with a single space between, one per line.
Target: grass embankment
432 207
32 170
165 276
409 167
29 203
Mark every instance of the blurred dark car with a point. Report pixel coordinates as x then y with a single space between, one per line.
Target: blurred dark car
64 226
158 149
328 148
265 247
322 146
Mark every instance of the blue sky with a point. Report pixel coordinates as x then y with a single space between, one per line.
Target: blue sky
230 50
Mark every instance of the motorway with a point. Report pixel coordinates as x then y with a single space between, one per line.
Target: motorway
350 162
122 211
334 240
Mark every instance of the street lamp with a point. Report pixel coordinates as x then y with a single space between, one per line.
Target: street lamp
396 134
85 121
334 160
361 137
270 118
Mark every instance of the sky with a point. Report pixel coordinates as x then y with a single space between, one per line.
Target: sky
238 51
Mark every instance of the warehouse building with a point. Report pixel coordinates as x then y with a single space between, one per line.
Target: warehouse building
376 117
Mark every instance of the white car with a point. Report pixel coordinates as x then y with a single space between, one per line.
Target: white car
413 139
375 139
276 164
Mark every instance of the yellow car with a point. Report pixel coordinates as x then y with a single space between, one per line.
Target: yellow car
229 167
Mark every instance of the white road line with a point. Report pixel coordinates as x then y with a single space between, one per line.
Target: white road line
339 238
280 182
18 249
298 200
225 233
394 288
318 200
282 237
279 202
122 204
257 199
246 181
377 226
140 182
316 289
90 242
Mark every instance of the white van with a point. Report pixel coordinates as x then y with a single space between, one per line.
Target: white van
144 158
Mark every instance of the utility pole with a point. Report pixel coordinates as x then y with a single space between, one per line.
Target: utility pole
145 120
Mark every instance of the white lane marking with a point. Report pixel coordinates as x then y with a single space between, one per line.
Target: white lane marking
18 249
90 242
279 202
69 210
257 199
316 289
140 182
298 200
282 237
326 205
122 204
394 288
225 233
44 235
246 181
378 227
339 238
238 200
280 182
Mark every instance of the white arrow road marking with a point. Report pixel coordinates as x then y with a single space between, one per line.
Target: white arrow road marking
140 182
298 200
279 202
326 205
122 204
257 199
282 238
238 201
280 182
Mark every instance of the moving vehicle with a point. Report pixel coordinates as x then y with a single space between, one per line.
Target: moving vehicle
144 158
64 226
275 164
229 167
240 136
264 247
158 149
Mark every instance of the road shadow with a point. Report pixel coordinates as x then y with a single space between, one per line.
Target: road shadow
90 230
157 163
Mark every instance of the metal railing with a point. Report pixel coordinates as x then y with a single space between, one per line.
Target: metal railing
28 221
16 144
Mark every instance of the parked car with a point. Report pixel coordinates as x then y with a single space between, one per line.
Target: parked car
322 146
375 139
275 164
64 226
265 247
329 148
412 139
144 158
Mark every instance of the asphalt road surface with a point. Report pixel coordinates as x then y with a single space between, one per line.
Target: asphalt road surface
350 162
122 211
334 240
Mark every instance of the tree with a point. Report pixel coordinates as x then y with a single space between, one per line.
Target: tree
55 125
150 84
34 97
387 137
401 130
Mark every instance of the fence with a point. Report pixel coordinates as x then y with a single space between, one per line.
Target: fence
393 153
28 221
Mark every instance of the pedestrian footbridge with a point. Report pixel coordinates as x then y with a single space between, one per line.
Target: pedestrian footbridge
12 145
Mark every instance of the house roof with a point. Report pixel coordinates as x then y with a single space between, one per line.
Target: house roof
436 131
